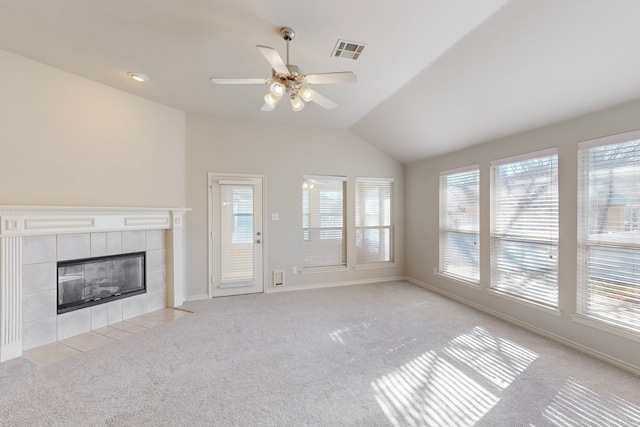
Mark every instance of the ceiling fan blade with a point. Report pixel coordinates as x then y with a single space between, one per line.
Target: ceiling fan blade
273 57
322 101
239 81
331 78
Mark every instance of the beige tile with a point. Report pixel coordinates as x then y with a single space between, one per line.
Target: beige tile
71 346
148 321
51 353
129 327
116 334
170 313
87 341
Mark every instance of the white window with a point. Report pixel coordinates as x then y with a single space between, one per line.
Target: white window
459 218
524 227
374 226
609 230
324 226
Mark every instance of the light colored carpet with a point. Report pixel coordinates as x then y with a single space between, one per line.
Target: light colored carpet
367 355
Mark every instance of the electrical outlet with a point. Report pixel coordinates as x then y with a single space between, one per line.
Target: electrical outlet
294 270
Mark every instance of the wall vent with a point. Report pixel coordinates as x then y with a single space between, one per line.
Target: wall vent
347 49
278 277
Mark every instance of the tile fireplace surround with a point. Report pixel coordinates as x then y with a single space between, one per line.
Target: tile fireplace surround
33 239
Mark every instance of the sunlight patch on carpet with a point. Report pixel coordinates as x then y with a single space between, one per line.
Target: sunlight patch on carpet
456 386
498 360
430 390
575 404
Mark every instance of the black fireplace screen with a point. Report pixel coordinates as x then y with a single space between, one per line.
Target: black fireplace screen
86 282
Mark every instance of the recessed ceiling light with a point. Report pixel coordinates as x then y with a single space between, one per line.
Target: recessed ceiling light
139 77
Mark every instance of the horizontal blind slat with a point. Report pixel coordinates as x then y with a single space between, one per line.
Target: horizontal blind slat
324 221
373 218
524 227
609 231
459 223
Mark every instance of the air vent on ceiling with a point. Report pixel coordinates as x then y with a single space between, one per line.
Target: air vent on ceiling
349 50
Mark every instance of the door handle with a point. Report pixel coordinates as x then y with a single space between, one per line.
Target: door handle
258 241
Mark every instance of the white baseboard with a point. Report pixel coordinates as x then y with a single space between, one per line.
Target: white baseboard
196 298
285 288
557 338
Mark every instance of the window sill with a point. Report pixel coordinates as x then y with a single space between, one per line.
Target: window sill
603 325
384 264
459 280
522 301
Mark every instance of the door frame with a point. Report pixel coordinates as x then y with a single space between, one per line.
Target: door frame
220 175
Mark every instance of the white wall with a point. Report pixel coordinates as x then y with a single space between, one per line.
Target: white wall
283 154
66 140
422 224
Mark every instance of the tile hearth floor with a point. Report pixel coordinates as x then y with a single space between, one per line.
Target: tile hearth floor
63 349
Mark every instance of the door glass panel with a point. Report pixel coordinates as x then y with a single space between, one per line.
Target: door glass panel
236 216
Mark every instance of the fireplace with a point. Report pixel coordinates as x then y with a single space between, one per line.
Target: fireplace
91 281
34 239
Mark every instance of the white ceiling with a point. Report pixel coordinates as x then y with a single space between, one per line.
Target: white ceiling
436 75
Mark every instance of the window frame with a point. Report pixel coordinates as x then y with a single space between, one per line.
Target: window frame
383 212
445 229
312 220
520 242
585 245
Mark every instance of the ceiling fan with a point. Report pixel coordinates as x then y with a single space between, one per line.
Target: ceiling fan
286 79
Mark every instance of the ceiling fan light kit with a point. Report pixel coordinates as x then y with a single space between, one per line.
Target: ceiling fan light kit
286 78
296 103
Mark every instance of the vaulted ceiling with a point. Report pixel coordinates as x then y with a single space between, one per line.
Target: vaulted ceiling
435 75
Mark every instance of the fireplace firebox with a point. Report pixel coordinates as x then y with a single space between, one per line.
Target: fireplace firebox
91 281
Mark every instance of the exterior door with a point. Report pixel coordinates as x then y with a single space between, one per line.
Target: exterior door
235 238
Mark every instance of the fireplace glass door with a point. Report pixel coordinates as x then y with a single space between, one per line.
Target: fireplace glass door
90 281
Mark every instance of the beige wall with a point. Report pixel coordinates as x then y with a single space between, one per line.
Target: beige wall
283 154
422 222
66 140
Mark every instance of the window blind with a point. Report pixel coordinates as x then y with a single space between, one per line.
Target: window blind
459 223
324 226
374 226
609 231
237 251
524 227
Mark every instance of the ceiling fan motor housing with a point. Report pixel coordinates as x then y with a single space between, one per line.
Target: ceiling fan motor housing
287 33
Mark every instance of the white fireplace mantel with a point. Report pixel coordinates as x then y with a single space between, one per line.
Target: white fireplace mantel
17 222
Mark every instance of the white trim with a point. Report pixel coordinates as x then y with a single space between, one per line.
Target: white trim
584 349
199 297
216 175
325 177
609 139
44 220
372 179
525 156
236 182
460 170
274 289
